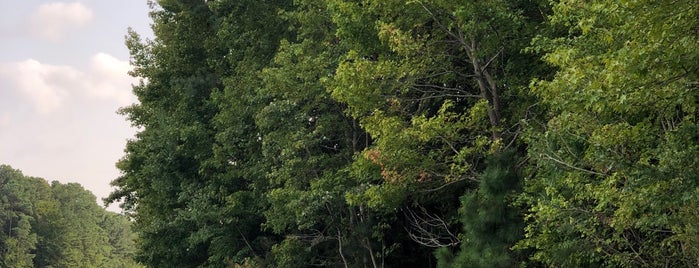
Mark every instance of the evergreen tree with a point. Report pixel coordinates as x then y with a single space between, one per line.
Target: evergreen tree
164 168
491 225
193 177
439 86
342 133
18 196
57 225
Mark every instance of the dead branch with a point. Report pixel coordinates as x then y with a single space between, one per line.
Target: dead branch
429 229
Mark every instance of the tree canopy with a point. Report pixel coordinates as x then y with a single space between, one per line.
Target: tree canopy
59 225
413 133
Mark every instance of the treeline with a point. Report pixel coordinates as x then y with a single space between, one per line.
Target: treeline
59 225
390 133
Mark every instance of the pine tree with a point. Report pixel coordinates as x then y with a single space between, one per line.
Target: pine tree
491 223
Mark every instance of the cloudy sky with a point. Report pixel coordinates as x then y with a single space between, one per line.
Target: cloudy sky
63 76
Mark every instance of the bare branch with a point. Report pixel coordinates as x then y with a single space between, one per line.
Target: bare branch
461 92
429 229
485 66
547 156
339 244
459 38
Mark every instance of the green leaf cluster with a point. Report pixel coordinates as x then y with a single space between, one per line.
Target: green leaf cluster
59 225
613 183
414 133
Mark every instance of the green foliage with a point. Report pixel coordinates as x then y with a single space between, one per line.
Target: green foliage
432 92
193 178
16 239
309 143
612 180
490 224
19 244
365 133
58 225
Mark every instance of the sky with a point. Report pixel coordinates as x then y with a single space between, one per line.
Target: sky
63 76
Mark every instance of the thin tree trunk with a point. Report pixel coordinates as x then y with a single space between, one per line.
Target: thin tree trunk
488 90
339 243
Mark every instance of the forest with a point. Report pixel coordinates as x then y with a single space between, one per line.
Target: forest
59 225
411 133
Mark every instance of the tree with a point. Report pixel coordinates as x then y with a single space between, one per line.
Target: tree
20 243
192 179
164 165
57 225
249 33
491 223
17 196
360 133
310 144
305 140
81 240
615 173
439 86
122 247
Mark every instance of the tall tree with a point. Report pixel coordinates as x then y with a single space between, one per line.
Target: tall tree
17 207
57 225
491 225
122 247
82 241
163 166
310 144
249 33
616 167
189 178
439 86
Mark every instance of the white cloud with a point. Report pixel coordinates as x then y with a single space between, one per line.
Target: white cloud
48 87
60 122
114 82
53 20
33 79
5 120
